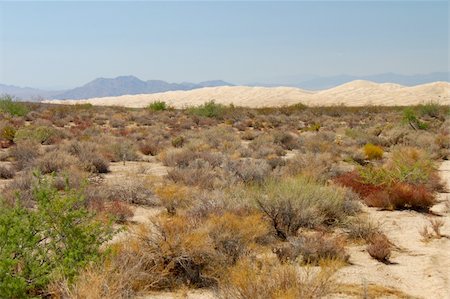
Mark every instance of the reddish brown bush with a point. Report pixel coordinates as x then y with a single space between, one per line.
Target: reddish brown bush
394 197
353 181
416 197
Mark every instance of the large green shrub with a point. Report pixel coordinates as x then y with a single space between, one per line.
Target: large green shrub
158 106
39 134
7 105
55 239
208 109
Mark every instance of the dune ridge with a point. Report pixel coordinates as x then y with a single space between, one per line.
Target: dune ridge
355 93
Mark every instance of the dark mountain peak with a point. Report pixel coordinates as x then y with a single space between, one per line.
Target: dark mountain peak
122 85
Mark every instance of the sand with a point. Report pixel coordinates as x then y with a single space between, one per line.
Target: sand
355 93
420 269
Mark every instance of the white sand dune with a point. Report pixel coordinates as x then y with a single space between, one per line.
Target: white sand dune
355 93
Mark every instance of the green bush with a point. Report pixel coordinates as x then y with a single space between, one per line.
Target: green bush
208 109
409 117
297 202
406 165
54 240
8 133
7 105
158 106
39 134
431 109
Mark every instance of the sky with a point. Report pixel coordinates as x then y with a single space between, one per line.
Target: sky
66 44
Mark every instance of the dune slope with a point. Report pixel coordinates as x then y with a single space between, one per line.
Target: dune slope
356 93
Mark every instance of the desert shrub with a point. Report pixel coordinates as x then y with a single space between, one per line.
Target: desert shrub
434 232
235 235
410 118
173 197
119 211
178 157
379 248
406 165
130 191
373 151
285 140
249 170
393 195
431 109
208 109
6 172
320 142
24 153
361 228
158 106
402 196
316 166
55 239
151 146
265 279
122 151
87 153
178 141
39 134
299 202
7 105
198 173
249 135
8 133
54 161
313 248
181 253
263 146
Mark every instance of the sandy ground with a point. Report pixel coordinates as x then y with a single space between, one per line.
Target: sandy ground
420 269
356 93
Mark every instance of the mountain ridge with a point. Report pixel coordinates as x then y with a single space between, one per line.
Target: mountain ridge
130 85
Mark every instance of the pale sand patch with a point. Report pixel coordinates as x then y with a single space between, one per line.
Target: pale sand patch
356 93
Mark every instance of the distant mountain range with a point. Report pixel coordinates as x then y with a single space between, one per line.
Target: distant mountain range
130 85
105 87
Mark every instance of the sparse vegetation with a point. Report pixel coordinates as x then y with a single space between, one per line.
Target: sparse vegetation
251 203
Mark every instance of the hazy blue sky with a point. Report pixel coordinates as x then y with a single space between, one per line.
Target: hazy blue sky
51 44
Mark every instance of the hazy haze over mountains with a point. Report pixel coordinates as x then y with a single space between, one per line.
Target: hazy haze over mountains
130 85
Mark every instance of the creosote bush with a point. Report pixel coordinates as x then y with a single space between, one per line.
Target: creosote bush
158 106
209 109
8 105
56 239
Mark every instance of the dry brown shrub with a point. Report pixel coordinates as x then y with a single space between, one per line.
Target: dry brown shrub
24 153
235 235
6 172
55 161
313 248
317 166
286 140
433 231
249 170
264 279
173 197
178 157
379 248
199 173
